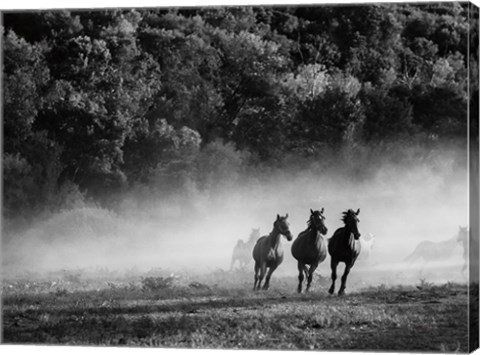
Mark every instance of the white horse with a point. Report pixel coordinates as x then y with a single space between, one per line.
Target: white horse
429 251
242 252
462 238
367 242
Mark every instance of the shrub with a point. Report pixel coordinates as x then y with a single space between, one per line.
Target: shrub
152 283
219 162
18 184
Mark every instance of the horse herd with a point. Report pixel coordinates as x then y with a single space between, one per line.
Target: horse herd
310 249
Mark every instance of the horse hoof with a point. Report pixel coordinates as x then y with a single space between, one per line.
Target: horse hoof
331 291
341 293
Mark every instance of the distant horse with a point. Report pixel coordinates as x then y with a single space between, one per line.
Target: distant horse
268 252
310 248
242 250
367 242
462 237
429 251
344 246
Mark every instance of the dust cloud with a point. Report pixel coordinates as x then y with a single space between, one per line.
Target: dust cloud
196 231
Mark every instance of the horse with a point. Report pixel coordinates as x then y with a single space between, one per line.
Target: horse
344 246
429 251
310 248
367 242
268 253
242 250
462 237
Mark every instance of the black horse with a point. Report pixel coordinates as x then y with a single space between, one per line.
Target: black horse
344 246
310 248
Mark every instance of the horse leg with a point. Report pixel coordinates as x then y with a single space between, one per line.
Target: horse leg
263 270
257 268
271 269
301 267
344 279
333 265
312 269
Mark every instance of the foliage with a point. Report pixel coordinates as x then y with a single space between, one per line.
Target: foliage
156 283
98 103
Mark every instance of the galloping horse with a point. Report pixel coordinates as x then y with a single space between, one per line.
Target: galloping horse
268 252
367 243
429 251
242 250
344 246
310 248
462 237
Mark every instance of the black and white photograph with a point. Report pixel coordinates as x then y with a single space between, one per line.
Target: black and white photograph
233 176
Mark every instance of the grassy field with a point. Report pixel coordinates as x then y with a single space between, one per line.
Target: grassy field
220 311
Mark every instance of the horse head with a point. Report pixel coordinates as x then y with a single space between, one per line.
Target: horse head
283 226
317 220
350 218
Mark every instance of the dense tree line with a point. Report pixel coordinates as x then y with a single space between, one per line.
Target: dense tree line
100 102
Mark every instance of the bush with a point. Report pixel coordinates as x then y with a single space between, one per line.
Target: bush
152 283
219 162
69 196
18 184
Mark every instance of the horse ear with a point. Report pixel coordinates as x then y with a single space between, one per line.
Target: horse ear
358 212
286 216
278 217
321 212
311 211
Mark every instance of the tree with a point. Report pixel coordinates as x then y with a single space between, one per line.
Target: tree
189 70
388 115
25 76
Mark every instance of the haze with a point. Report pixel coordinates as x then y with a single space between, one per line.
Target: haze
196 231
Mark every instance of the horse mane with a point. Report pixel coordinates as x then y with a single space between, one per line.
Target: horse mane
310 220
346 215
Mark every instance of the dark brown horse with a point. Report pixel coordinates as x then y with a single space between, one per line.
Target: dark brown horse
310 248
344 246
268 252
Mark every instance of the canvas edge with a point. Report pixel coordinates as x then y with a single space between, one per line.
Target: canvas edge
473 147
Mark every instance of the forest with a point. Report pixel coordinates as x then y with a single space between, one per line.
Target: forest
159 101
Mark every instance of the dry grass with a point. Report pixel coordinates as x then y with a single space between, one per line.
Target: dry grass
178 311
